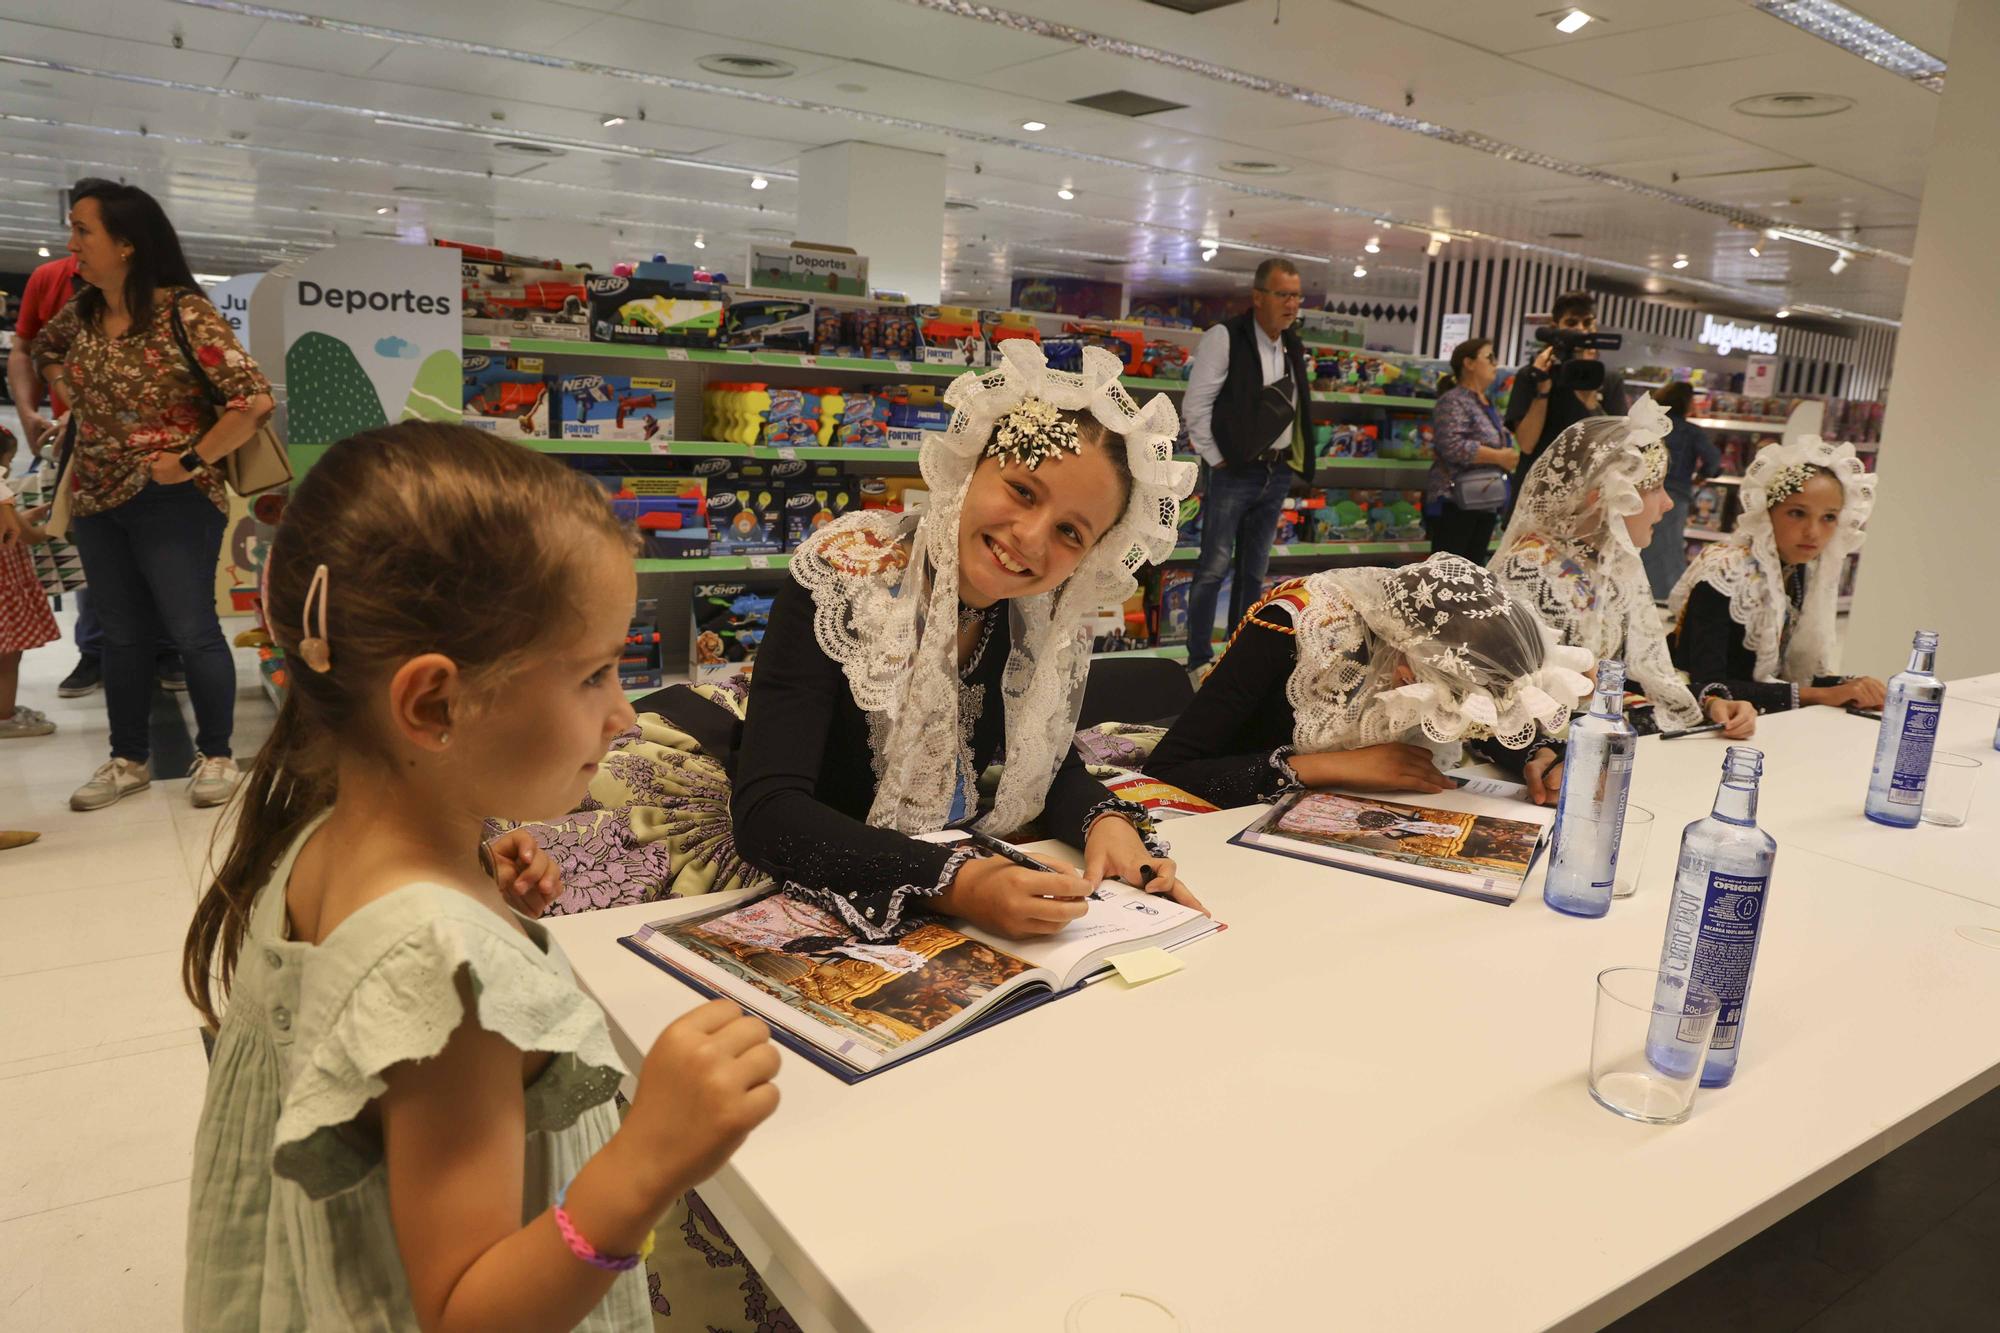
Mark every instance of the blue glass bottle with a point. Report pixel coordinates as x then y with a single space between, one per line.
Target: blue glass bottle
1718 913
1590 811
1909 730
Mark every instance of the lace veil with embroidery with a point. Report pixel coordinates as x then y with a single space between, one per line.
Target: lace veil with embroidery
1567 552
1744 566
1484 663
879 579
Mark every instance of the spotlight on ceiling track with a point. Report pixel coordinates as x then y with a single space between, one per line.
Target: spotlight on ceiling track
1756 252
1840 262
1784 314
42 251
1374 246
1360 272
1680 261
1065 193
609 121
700 244
1033 126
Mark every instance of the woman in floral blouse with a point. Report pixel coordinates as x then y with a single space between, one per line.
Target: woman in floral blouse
148 503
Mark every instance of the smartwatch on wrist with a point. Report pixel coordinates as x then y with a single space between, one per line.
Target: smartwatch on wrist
192 462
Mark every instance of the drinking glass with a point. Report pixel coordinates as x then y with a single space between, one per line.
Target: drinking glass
1648 1043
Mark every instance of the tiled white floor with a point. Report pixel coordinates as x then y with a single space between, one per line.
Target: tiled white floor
101 1068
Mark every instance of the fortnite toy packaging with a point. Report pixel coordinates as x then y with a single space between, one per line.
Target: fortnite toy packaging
615 407
729 624
507 395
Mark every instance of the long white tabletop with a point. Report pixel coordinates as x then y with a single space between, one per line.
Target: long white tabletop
1363 1105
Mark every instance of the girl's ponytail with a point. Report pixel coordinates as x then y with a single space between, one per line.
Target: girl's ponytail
278 798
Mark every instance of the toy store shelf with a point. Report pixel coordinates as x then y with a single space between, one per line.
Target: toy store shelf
1310 550
1738 424
647 448
1697 534
1409 465
1392 401
594 351
713 564
1175 652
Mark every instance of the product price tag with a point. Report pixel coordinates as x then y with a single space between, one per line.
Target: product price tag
1281 550
1353 548
500 344
663 446
759 561
787 452
677 354
808 361
902 367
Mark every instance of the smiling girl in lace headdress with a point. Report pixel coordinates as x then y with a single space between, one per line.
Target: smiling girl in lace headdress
1756 610
1572 552
908 650
1370 679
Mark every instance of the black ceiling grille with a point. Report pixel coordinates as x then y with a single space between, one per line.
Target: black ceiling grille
1123 103
1194 6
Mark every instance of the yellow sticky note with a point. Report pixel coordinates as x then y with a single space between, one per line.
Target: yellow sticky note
1145 965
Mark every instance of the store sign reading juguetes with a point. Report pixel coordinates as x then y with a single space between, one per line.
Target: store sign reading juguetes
1726 337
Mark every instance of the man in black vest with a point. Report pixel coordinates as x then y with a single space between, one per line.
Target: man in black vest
1248 398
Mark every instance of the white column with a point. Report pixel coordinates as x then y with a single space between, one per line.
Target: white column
1933 549
886 203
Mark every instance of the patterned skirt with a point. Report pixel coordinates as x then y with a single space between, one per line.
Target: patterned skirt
25 621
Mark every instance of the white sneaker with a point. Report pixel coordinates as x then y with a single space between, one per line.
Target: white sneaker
114 780
25 722
211 781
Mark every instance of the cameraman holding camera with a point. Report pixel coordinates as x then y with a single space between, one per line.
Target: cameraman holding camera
1565 382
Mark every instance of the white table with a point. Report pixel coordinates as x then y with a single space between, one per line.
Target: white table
1362 1106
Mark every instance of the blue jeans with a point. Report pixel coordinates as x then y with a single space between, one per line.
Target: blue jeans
150 565
1239 522
1665 557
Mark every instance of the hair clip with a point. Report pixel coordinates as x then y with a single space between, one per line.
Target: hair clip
1031 433
314 650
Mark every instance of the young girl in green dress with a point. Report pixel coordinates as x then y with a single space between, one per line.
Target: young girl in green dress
410 1120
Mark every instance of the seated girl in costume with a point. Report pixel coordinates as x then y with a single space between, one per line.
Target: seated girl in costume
907 649
1572 553
1756 610
1336 679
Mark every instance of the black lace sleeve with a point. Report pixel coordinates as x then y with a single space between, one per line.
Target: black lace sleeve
1707 641
1221 747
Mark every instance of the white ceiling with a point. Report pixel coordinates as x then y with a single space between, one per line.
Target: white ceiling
1644 98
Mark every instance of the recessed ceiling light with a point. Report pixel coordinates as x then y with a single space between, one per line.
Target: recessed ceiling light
382 211
759 183
1680 261
1572 21
700 244
609 121
1065 193
747 67
1034 126
1792 106
1784 314
42 251
1374 246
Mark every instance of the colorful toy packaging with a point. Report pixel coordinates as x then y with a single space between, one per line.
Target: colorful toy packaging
615 407
665 311
746 513
815 499
507 395
669 513
949 336
728 627
641 667
509 299
1174 586
1346 440
770 325
1409 438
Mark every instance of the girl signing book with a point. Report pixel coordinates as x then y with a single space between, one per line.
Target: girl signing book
1572 553
409 1121
1340 679
1756 611
907 650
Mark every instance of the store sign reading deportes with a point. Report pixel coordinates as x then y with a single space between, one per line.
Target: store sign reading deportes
1729 337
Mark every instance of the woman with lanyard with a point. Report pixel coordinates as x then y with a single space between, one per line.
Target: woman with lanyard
1467 486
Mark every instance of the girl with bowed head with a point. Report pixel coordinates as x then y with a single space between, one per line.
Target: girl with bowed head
1369 679
1572 553
1755 612
908 649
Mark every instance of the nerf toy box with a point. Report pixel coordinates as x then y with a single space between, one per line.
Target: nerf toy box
640 668
746 511
729 624
507 395
615 407
659 312
669 513
816 499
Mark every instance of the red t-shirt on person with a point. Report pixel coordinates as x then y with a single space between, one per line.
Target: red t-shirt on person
48 291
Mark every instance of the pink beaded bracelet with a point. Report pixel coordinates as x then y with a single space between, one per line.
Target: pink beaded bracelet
589 1253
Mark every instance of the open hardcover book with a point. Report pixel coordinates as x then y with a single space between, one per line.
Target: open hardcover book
1464 841
855 1007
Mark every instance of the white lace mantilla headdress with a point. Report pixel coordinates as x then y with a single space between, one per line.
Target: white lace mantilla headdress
1744 566
878 579
1567 552
1485 664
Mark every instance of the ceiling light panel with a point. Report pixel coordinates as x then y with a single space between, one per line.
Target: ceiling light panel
1864 37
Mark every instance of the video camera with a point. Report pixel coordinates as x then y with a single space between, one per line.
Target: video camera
1571 373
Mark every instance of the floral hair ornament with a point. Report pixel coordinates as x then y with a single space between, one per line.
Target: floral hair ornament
314 650
1789 482
1030 433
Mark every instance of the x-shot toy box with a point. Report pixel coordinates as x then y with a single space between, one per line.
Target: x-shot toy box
507 395
729 624
672 311
760 324
615 407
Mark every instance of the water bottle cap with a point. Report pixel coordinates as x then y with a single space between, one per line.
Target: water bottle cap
1926 641
1610 674
1743 761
